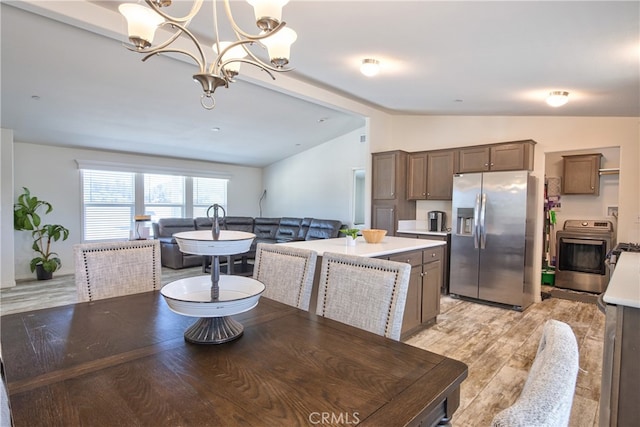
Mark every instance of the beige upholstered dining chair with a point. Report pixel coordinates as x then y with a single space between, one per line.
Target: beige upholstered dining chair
547 396
287 273
367 293
110 269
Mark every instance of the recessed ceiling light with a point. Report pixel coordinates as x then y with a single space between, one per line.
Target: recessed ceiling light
557 98
323 119
35 97
215 129
370 67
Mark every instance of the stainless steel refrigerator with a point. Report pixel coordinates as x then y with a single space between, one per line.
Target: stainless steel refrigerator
492 238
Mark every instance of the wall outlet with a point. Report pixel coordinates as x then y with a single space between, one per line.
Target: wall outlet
612 211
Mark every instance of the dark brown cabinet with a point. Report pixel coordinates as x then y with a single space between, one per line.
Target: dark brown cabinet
386 170
581 174
620 368
389 192
516 155
417 176
444 289
430 175
423 296
474 159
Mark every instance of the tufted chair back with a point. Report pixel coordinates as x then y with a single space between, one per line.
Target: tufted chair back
110 269
367 293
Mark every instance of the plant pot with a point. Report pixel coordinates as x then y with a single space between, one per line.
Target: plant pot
351 241
43 274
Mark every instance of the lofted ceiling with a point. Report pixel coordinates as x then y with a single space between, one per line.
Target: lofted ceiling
67 80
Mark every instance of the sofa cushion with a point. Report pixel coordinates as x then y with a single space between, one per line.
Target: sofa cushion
288 229
168 226
238 223
266 228
304 228
323 229
203 223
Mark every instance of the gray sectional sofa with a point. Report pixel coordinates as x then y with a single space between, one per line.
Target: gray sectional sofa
269 230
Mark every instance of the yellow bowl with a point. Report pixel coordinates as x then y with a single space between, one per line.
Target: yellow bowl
373 235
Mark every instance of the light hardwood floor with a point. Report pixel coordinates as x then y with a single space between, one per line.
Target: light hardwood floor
497 344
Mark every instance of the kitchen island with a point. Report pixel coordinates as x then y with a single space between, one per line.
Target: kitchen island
419 230
425 256
620 369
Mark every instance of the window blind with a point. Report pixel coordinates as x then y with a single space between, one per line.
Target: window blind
108 204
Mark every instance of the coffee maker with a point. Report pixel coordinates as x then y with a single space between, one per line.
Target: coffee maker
437 221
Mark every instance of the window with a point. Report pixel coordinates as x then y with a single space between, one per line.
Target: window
112 198
206 192
164 196
109 202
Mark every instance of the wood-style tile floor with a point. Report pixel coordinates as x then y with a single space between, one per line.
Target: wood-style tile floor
497 344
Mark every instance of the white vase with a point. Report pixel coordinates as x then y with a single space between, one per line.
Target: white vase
351 241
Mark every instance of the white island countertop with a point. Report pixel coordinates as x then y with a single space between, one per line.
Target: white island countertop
390 245
624 286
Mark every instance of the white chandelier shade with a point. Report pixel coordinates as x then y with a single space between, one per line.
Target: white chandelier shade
267 12
279 46
142 23
232 54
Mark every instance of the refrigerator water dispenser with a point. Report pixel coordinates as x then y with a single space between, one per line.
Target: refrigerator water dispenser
465 221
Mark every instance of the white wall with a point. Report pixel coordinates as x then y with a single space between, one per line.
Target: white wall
51 173
318 183
7 269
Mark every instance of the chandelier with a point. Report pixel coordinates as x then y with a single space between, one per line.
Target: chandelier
142 23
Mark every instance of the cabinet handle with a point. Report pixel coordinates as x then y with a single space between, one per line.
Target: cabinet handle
423 194
486 164
433 255
491 163
428 194
422 274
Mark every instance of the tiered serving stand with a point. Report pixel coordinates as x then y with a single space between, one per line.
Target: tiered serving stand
213 299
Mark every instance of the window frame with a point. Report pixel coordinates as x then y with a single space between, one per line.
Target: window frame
139 206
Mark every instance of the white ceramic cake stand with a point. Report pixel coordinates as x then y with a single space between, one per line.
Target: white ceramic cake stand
213 299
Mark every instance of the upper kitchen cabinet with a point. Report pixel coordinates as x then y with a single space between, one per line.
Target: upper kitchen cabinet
389 192
516 155
387 169
430 175
417 175
581 174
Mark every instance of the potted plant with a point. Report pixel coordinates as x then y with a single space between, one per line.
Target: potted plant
351 234
26 217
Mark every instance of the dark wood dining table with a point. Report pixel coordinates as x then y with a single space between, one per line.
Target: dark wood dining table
124 362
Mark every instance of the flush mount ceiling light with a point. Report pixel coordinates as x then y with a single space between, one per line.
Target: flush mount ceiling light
370 67
557 98
142 23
